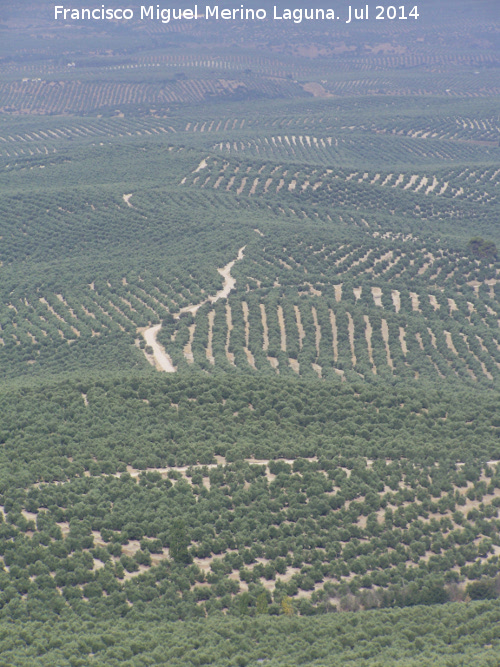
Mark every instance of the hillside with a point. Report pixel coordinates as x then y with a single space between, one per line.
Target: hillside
250 341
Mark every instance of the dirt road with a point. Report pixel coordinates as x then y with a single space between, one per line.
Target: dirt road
160 358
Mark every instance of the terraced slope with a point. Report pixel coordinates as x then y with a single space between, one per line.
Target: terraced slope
282 221
269 483
384 309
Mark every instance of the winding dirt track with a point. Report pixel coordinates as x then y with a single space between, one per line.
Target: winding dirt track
160 358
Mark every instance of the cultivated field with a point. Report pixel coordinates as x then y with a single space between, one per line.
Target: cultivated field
250 341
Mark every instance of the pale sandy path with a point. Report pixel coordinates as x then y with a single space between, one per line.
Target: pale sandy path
229 281
160 358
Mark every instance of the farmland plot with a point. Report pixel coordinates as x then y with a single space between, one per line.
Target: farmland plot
326 437
287 313
367 198
76 97
328 520
473 184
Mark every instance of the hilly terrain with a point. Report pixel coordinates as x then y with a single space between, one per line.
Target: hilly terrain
250 341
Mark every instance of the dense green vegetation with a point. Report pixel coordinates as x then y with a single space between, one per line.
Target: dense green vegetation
303 231
182 497
443 635
482 249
